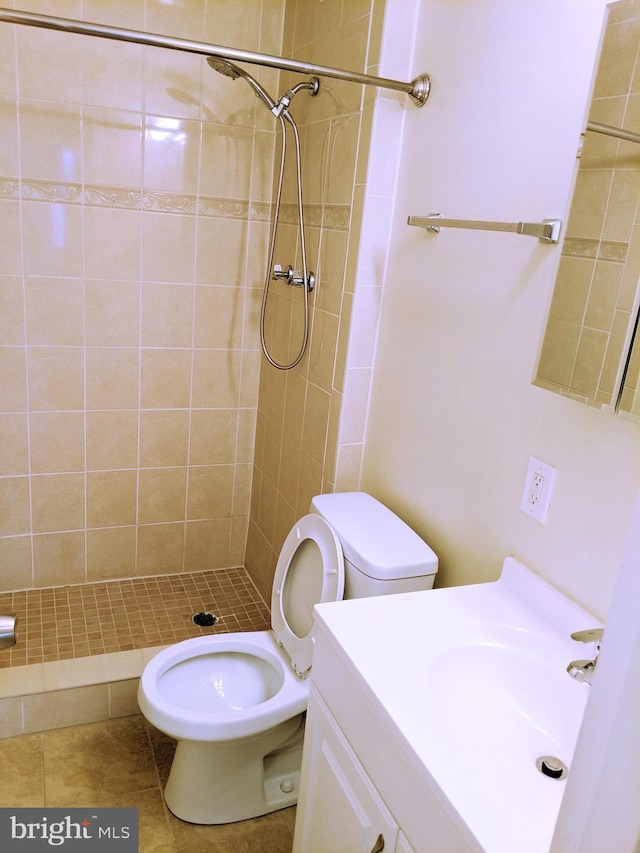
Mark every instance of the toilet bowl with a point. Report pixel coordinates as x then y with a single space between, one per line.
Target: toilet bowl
236 702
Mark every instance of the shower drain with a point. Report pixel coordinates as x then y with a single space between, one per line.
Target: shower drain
552 767
204 620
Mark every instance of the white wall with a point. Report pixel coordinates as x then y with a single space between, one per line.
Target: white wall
454 416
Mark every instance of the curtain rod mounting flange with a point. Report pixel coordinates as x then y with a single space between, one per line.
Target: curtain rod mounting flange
421 90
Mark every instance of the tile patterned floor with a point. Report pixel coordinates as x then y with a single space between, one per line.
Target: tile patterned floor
118 763
97 618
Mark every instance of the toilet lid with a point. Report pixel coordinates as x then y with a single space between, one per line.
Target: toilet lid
310 570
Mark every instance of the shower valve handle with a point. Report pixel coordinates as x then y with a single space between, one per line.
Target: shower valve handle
292 277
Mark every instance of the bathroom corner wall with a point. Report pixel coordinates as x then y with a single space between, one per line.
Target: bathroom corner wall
454 414
135 190
311 419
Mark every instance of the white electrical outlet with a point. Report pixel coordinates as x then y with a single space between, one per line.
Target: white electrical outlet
538 486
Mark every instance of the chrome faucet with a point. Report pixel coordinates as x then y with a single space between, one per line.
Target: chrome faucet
583 670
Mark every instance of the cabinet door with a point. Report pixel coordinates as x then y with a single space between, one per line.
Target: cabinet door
339 810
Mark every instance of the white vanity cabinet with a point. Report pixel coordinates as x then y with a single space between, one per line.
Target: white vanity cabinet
362 788
339 807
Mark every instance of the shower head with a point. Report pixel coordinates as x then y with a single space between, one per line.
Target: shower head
223 66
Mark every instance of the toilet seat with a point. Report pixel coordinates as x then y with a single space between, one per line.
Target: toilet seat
310 571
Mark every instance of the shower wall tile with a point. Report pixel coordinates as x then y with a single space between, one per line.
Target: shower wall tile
14 445
111 440
135 193
54 311
59 555
12 331
56 442
57 502
119 258
112 147
112 313
13 369
52 238
310 428
9 154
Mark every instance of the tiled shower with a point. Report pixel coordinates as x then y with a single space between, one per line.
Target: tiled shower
141 431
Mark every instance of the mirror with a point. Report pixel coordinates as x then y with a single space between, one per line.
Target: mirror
588 351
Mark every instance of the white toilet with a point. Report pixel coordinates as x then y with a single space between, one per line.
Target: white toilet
235 702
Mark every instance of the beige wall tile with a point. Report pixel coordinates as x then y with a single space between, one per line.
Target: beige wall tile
112 377
167 315
162 495
54 312
171 154
218 317
220 252
112 313
56 378
14 373
111 553
112 147
56 58
14 506
207 544
10 257
59 555
14 449
163 439
216 378
111 498
61 158
122 87
118 258
210 492
165 376
213 436
167 247
52 239
57 502
112 439
57 442
16 560
160 549
12 325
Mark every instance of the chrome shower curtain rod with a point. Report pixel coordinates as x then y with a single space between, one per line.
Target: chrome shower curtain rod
418 89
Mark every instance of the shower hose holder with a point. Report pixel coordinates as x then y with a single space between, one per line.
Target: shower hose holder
293 277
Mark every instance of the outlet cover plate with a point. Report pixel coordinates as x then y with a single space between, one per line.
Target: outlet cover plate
538 487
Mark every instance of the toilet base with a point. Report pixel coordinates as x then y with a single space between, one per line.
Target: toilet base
224 782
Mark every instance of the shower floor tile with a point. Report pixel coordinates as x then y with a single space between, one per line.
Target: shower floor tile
59 623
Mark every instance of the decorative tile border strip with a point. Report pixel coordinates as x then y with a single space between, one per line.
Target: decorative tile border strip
592 249
333 216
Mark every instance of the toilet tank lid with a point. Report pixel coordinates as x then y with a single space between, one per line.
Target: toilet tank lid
373 538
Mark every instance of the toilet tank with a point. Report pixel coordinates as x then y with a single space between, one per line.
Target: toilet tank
382 554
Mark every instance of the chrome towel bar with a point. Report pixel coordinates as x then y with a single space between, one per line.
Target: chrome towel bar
547 231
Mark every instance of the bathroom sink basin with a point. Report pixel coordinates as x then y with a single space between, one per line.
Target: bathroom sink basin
473 681
504 707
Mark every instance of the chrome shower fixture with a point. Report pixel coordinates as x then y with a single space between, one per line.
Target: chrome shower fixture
222 66
229 69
